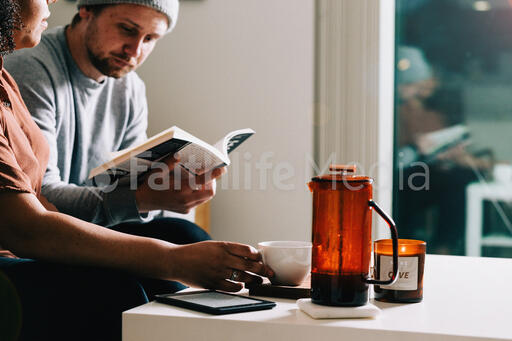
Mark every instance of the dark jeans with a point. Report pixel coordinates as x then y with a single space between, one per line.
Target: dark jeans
50 301
447 197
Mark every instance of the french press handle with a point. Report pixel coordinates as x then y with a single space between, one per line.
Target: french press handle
394 237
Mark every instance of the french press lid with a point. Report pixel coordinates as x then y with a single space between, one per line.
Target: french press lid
343 173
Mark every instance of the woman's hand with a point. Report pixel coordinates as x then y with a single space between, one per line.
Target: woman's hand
218 265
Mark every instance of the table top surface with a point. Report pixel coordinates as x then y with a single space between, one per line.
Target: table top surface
463 296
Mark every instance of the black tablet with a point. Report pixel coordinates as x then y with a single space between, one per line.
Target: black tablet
215 302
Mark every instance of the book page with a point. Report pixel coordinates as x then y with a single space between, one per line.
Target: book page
194 154
232 140
435 141
198 160
163 150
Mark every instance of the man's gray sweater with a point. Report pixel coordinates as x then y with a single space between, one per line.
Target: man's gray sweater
83 121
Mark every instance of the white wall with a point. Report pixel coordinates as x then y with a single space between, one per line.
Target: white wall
233 64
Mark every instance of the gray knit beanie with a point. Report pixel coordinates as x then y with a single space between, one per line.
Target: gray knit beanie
168 7
412 65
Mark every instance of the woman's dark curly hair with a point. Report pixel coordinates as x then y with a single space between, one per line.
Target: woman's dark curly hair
10 20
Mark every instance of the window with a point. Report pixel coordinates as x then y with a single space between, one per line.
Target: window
453 122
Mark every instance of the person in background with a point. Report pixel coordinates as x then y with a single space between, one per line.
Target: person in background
434 170
80 87
62 278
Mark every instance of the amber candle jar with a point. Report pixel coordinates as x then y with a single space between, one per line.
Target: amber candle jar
411 263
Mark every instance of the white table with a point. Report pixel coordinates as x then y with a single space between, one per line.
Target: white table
463 296
476 193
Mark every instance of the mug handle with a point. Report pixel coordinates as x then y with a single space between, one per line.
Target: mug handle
394 237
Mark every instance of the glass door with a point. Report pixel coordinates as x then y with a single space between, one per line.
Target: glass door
453 122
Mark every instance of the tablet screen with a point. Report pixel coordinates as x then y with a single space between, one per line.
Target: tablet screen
214 299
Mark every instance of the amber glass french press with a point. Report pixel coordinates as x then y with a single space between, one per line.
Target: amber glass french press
341 236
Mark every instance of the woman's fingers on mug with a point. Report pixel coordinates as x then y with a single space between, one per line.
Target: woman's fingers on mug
246 258
244 251
256 267
242 276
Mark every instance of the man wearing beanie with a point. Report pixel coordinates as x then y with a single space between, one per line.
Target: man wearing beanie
80 88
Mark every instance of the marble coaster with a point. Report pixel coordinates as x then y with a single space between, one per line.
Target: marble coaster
317 311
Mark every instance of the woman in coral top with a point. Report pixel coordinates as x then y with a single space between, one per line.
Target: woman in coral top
63 278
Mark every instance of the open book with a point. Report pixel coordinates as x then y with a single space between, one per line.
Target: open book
435 142
194 154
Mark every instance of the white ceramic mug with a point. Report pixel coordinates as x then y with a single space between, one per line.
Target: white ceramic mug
290 260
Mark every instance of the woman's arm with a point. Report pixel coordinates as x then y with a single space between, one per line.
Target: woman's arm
46 204
29 230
